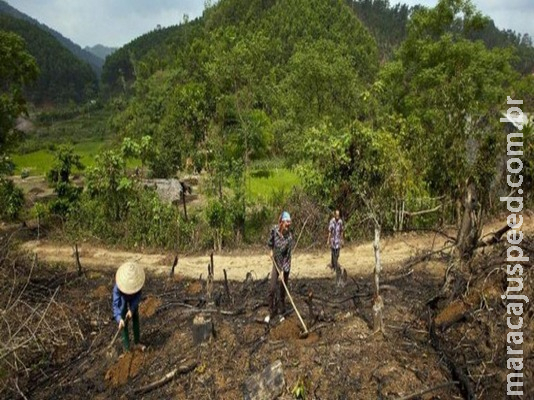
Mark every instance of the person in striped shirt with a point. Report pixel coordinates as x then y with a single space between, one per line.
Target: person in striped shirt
335 240
281 243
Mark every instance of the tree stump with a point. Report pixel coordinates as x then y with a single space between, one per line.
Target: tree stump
266 385
203 328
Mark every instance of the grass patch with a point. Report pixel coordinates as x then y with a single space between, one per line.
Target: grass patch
40 162
82 128
265 183
88 132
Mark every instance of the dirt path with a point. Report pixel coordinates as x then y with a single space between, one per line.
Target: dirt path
357 259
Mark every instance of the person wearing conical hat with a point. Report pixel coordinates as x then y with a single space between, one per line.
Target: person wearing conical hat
129 281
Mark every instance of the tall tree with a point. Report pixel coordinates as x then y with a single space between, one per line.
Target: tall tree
17 69
450 90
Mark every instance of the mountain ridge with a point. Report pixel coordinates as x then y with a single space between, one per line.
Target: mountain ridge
100 50
94 61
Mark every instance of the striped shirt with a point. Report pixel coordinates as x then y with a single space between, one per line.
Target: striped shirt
281 245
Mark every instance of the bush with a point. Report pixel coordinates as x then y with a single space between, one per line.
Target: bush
12 200
151 223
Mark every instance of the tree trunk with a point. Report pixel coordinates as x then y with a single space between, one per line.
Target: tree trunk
184 203
378 303
469 230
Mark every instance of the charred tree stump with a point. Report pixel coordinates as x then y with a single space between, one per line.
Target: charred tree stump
209 286
227 287
203 328
77 259
174 264
312 314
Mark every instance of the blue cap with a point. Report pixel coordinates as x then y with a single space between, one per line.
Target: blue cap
286 216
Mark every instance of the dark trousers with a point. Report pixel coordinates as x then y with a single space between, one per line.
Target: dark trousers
135 324
335 263
274 284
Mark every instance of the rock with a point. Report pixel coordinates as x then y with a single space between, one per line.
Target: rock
265 385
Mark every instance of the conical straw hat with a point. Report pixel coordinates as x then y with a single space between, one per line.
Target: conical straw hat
130 277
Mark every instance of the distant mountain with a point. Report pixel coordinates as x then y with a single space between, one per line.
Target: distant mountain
62 76
100 51
95 62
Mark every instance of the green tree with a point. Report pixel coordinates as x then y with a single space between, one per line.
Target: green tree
356 167
449 90
17 69
108 182
59 178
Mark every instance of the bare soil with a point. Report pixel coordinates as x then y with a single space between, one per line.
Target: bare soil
341 358
357 259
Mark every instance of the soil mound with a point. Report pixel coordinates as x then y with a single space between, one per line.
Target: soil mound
126 367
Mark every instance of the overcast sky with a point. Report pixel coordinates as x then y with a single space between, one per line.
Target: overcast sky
117 22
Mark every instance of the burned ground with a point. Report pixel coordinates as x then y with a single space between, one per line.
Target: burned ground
340 359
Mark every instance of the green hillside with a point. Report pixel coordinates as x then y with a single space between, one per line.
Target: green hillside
93 60
62 77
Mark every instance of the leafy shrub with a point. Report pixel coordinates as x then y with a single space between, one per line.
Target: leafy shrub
12 200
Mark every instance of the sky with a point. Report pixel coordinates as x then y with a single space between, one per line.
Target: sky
116 22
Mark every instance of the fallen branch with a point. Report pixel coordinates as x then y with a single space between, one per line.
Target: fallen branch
494 237
426 256
422 392
458 375
320 326
349 298
193 309
183 369
396 278
422 212
436 231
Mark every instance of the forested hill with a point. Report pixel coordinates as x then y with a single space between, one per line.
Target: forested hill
63 77
387 23
158 44
95 62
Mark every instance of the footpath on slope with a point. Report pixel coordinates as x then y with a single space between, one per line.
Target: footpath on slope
357 259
